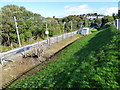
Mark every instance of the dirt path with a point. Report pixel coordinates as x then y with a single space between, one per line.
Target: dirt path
11 70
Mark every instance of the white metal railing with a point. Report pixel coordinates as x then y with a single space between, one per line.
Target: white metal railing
18 51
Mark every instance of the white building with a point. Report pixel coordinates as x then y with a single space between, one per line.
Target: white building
94 17
91 17
85 31
100 16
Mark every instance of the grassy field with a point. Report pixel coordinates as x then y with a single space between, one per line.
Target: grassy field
91 62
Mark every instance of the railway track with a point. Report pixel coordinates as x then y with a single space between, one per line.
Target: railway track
38 67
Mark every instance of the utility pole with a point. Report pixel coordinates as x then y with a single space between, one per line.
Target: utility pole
90 23
86 23
64 26
81 24
17 31
1 58
47 32
93 21
71 28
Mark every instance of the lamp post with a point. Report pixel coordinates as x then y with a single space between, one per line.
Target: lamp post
86 23
71 27
81 24
63 27
93 21
46 32
90 23
17 31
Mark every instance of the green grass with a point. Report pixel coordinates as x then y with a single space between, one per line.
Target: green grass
91 62
5 48
93 30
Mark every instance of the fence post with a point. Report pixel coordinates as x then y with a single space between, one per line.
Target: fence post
62 37
67 35
49 42
31 51
24 52
38 43
1 60
57 39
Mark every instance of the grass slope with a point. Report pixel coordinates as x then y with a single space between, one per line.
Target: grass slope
91 62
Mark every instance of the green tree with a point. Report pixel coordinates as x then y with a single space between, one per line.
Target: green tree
119 14
107 19
30 24
28 34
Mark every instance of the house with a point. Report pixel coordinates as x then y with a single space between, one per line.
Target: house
94 17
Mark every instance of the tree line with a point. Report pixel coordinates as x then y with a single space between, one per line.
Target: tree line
31 27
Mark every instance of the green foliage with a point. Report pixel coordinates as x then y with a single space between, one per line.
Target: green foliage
30 25
4 48
22 36
91 62
119 14
98 21
28 35
115 16
107 19
93 30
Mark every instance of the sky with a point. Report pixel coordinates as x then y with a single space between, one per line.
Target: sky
62 8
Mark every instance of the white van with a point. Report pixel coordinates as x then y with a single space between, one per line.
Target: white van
85 31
